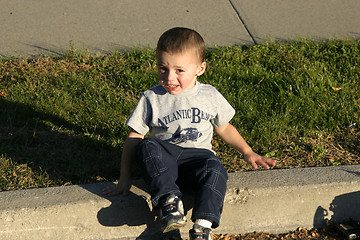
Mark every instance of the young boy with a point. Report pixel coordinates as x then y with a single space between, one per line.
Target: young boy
181 115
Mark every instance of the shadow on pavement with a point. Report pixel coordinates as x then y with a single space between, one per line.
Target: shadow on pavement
131 210
342 208
134 210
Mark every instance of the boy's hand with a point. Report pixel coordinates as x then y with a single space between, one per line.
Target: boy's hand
122 187
254 159
231 136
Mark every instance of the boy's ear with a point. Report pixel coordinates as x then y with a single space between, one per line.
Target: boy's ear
201 69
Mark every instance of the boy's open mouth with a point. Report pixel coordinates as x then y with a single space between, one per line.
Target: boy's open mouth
171 87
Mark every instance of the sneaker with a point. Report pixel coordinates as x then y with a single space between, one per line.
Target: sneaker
172 214
200 233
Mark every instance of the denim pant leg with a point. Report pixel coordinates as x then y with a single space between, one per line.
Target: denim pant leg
158 163
202 169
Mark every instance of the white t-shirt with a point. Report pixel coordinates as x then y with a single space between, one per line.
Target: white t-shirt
185 119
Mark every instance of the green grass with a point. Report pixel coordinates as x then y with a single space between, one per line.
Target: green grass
62 119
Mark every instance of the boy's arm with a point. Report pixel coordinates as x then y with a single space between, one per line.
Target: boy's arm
127 156
232 137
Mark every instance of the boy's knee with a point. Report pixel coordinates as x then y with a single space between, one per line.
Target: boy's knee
146 145
146 142
149 158
216 177
216 166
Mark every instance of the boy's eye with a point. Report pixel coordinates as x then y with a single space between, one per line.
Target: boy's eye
181 70
162 69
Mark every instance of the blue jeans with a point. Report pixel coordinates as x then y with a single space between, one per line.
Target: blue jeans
162 163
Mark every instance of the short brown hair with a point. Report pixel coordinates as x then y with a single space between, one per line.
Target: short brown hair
179 39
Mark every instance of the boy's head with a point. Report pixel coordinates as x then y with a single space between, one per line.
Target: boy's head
178 40
180 57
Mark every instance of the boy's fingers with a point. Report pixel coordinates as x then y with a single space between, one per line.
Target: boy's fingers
106 190
262 161
110 190
267 162
265 165
271 161
254 165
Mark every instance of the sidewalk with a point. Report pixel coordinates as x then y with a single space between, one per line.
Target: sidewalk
270 201
35 27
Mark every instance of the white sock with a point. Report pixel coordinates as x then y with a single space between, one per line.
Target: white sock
204 223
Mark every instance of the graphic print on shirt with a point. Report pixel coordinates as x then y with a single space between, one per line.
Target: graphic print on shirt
184 135
194 115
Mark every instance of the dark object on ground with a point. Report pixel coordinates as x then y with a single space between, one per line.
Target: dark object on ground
349 229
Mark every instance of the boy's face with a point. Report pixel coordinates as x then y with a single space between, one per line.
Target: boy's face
178 71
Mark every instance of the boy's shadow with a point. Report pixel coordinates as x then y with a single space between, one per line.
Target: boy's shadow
132 210
136 210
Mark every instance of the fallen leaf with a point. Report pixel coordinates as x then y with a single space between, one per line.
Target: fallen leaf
336 88
315 235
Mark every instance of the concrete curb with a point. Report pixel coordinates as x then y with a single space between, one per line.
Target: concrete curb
270 201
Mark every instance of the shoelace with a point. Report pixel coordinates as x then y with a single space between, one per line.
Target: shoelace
169 208
199 236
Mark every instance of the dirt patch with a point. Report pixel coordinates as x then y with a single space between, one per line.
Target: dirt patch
329 233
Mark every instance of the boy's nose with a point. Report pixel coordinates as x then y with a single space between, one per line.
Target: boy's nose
171 75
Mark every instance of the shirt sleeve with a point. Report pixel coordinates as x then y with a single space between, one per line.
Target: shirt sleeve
140 118
225 112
